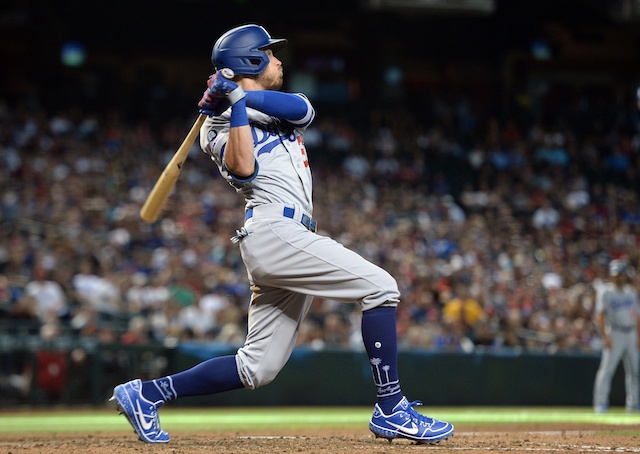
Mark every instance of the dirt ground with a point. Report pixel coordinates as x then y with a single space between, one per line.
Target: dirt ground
515 439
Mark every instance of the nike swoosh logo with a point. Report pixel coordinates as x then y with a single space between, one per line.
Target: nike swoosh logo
413 430
142 418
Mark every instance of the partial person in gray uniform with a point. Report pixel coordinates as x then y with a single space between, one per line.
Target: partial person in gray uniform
617 319
255 135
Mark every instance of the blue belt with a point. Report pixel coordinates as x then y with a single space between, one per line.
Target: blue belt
288 212
623 329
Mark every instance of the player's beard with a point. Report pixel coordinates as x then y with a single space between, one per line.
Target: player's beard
271 80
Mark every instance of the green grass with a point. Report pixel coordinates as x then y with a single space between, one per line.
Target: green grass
262 418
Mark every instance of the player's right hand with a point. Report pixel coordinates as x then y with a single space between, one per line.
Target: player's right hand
221 86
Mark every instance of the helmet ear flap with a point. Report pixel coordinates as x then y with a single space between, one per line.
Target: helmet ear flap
242 49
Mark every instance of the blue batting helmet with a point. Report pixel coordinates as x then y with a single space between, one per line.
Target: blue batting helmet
616 267
243 49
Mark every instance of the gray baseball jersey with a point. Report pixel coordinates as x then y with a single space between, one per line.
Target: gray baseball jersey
620 306
287 262
283 174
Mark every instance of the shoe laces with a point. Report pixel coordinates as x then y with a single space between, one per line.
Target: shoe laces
159 433
419 418
153 412
156 417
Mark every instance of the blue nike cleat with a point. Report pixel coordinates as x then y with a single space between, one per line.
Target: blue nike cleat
141 413
405 422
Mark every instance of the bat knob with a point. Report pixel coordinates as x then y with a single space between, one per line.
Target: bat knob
228 73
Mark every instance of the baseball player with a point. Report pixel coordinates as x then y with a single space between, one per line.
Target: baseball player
255 136
617 319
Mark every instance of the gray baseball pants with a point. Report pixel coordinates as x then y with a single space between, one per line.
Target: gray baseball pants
624 347
287 266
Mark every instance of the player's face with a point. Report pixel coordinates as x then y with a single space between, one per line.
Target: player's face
273 75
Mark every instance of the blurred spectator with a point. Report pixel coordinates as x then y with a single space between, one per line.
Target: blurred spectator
96 293
461 309
552 149
147 294
23 316
545 216
232 326
50 300
356 166
137 333
577 197
311 335
197 321
9 294
335 331
454 213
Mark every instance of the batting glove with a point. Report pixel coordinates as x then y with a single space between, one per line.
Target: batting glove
220 85
212 104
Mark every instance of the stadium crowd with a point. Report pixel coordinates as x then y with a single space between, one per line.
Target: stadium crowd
497 228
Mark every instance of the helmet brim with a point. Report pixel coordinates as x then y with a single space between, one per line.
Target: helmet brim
274 44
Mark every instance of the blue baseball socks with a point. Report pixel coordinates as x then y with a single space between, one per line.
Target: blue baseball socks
209 377
221 374
380 341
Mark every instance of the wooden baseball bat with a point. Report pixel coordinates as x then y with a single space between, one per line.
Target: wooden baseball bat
167 180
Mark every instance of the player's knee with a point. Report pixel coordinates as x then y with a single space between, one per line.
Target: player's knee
260 377
264 377
385 293
254 373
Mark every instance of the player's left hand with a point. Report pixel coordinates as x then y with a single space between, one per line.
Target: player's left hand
208 104
221 86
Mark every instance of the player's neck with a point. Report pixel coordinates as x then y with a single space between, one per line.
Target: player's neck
248 83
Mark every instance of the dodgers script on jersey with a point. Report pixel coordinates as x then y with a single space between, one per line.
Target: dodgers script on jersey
619 305
283 174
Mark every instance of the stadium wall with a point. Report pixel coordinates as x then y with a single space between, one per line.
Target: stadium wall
343 377
71 373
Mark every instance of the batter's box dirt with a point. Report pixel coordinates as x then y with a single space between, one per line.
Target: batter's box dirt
521 439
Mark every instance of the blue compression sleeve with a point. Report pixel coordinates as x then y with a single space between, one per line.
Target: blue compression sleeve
239 114
285 106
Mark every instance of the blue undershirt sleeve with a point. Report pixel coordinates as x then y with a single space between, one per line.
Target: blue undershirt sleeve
286 106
